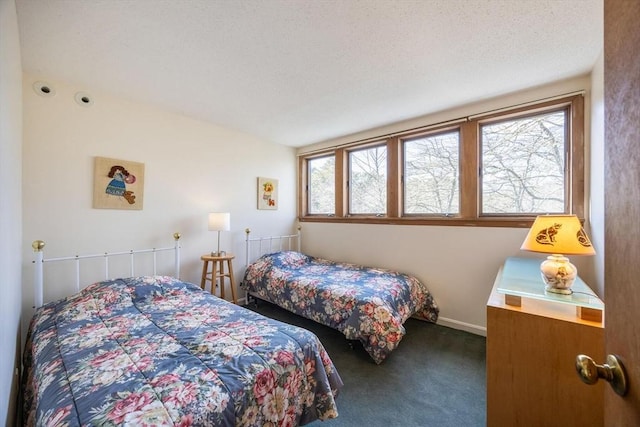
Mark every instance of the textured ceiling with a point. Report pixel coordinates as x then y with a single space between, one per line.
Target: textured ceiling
297 72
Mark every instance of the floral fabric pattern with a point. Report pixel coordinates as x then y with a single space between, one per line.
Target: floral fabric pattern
155 351
365 304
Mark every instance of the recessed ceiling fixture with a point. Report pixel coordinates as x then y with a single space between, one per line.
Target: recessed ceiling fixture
84 99
44 89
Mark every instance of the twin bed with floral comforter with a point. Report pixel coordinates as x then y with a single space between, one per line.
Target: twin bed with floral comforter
157 351
365 304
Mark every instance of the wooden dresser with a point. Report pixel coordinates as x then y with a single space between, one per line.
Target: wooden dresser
532 348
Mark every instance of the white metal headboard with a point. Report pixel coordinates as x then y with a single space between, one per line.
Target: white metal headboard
38 280
271 244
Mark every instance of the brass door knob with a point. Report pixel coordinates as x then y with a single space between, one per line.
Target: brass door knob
613 372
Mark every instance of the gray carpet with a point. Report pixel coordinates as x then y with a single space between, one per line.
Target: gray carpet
436 377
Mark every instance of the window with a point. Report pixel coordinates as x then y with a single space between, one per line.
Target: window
500 168
368 181
321 188
431 174
523 165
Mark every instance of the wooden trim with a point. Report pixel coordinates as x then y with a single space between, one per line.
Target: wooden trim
576 173
525 111
394 178
342 179
452 221
469 171
470 191
513 300
303 186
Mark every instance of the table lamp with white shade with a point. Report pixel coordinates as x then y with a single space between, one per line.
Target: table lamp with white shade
558 235
219 221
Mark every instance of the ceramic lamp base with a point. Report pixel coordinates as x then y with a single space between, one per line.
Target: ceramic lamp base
558 274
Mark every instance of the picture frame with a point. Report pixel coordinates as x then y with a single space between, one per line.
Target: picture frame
267 193
118 184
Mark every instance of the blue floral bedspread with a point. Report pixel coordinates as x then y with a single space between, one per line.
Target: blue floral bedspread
365 304
155 351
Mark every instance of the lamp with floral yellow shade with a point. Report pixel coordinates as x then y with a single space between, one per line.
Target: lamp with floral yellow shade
558 235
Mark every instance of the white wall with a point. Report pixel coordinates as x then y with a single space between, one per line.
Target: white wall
191 168
10 206
458 264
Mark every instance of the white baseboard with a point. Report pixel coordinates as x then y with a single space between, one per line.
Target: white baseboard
467 327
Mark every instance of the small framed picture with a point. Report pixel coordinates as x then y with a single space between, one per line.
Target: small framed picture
267 193
118 184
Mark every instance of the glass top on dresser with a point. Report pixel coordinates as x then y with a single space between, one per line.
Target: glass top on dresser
521 277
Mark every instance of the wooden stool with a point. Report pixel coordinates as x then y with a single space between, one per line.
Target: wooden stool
218 274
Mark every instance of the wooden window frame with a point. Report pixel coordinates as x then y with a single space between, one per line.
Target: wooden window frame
470 191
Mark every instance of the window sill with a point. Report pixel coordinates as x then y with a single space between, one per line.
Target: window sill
515 222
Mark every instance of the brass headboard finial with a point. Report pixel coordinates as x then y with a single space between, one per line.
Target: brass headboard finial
247 230
176 236
38 245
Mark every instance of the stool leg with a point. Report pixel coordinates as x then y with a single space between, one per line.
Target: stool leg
233 282
221 279
204 274
214 277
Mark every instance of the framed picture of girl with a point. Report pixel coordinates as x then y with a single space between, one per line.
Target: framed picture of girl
118 184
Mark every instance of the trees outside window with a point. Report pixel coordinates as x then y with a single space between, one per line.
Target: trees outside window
368 181
321 185
523 165
497 169
431 174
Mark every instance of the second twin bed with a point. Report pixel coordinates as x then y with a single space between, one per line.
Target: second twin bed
366 304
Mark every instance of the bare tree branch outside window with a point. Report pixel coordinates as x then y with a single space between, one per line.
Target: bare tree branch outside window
499 168
523 163
431 174
368 181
